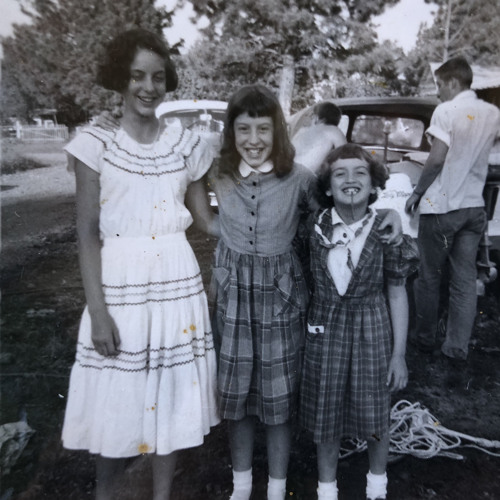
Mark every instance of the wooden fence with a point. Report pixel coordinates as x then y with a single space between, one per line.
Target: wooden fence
36 133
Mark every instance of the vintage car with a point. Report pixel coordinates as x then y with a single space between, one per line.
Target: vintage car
205 117
393 128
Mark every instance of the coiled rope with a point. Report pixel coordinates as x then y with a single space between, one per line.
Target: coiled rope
415 431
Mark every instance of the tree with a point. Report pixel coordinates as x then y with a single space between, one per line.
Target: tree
52 61
327 40
461 27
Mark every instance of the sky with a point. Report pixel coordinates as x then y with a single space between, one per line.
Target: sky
399 23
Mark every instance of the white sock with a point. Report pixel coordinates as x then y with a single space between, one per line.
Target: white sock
242 485
376 485
276 489
327 491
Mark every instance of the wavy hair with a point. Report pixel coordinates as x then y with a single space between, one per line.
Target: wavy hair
378 172
114 71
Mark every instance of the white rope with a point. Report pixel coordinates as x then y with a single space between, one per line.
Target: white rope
414 431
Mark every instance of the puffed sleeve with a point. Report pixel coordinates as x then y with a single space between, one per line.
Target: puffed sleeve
400 261
198 155
88 146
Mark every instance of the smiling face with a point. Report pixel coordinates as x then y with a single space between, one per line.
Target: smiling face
254 138
351 183
146 87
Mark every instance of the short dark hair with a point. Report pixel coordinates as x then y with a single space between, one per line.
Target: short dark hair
378 172
458 68
114 72
258 101
328 113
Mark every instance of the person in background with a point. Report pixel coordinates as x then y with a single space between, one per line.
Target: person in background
144 379
314 141
449 196
357 321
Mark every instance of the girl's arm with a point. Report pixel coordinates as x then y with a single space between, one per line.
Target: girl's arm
105 334
109 120
397 376
198 204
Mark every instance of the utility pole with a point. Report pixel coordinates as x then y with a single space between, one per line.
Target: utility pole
286 84
447 31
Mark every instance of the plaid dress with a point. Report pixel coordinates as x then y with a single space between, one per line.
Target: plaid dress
349 340
258 293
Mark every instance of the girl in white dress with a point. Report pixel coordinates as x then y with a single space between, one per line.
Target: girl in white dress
144 379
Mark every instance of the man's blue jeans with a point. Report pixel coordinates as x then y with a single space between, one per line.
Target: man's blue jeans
454 237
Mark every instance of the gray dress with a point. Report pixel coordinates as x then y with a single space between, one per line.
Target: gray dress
258 291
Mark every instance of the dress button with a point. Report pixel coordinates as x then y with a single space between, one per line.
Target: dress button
254 183
253 213
344 235
251 242
317 330
253 197
250 228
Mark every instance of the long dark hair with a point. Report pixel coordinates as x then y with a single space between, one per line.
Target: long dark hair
257 101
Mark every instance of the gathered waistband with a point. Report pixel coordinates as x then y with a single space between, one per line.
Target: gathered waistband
144 242
373 298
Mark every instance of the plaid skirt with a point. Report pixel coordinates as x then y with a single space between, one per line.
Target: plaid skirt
258 319
347 353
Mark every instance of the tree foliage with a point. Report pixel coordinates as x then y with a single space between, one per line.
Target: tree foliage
51 62
461 27
328 40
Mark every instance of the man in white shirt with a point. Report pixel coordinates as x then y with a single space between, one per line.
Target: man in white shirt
452 218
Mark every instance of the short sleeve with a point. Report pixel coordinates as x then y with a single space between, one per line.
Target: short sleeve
88 146
400 261
440 126
199 157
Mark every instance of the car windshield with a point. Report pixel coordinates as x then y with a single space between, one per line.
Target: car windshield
403 132
197 120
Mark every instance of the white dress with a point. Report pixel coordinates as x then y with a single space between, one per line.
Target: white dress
159 394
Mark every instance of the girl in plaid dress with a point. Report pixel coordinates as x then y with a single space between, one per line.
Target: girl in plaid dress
258 289
357 320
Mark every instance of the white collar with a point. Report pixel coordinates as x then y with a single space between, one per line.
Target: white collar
465 94
245 169
336 219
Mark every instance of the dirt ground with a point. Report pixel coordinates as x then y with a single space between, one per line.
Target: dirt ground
42 300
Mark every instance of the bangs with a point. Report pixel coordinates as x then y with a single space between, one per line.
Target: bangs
255 102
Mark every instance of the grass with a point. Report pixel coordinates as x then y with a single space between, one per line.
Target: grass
21 156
